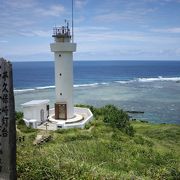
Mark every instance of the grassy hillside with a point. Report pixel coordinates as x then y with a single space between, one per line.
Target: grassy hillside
101 151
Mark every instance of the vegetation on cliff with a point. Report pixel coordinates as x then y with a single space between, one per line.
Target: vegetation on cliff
110 147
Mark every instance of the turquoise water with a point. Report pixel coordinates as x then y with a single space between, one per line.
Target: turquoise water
152 87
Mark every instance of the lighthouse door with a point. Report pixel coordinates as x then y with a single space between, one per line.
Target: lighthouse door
61 111
42 115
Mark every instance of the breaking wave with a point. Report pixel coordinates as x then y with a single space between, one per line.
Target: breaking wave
32 89
23 90
52 87
46 87
143 80
159 78
90 85
125 82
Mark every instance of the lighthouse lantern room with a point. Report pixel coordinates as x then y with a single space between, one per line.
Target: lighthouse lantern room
63 50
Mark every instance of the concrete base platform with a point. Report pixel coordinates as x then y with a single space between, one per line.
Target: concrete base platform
75 119
81 117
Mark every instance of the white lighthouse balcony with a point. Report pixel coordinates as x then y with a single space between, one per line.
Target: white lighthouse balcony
63 47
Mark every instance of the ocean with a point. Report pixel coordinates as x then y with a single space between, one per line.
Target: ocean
152 87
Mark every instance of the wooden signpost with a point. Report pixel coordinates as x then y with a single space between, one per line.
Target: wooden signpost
7 123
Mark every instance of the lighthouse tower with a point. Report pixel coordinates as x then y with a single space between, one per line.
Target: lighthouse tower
63 50
64 115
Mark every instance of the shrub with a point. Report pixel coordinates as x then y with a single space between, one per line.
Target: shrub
117 118
19 118
23 128
87 126
61 131
143 121
130 130
114 146
141 140
76 137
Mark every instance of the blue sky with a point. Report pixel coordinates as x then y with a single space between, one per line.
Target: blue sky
104 29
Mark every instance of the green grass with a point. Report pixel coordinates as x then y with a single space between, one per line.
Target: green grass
101 151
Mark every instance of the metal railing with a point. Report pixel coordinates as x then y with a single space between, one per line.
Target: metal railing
61 31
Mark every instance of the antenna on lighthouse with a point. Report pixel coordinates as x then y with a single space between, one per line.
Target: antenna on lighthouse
72 20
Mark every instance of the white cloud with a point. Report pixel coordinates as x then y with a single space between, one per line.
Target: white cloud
110 27
104 34
38 33
132 15
80 19
129 53
106 43
80 3
19 17
20 4
54 10
3 41
28 49
41 33
177 51
167 30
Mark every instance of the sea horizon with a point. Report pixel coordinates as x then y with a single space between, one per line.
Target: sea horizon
89 60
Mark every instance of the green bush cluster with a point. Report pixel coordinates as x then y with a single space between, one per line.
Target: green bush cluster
25 129
111 115
19 118
117 118
21 125
141 140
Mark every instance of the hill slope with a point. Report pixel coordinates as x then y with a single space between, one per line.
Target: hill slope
101 152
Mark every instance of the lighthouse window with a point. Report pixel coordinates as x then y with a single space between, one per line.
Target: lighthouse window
59 55
60 74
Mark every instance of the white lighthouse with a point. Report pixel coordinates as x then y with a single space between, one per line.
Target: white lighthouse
63 50
37 113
